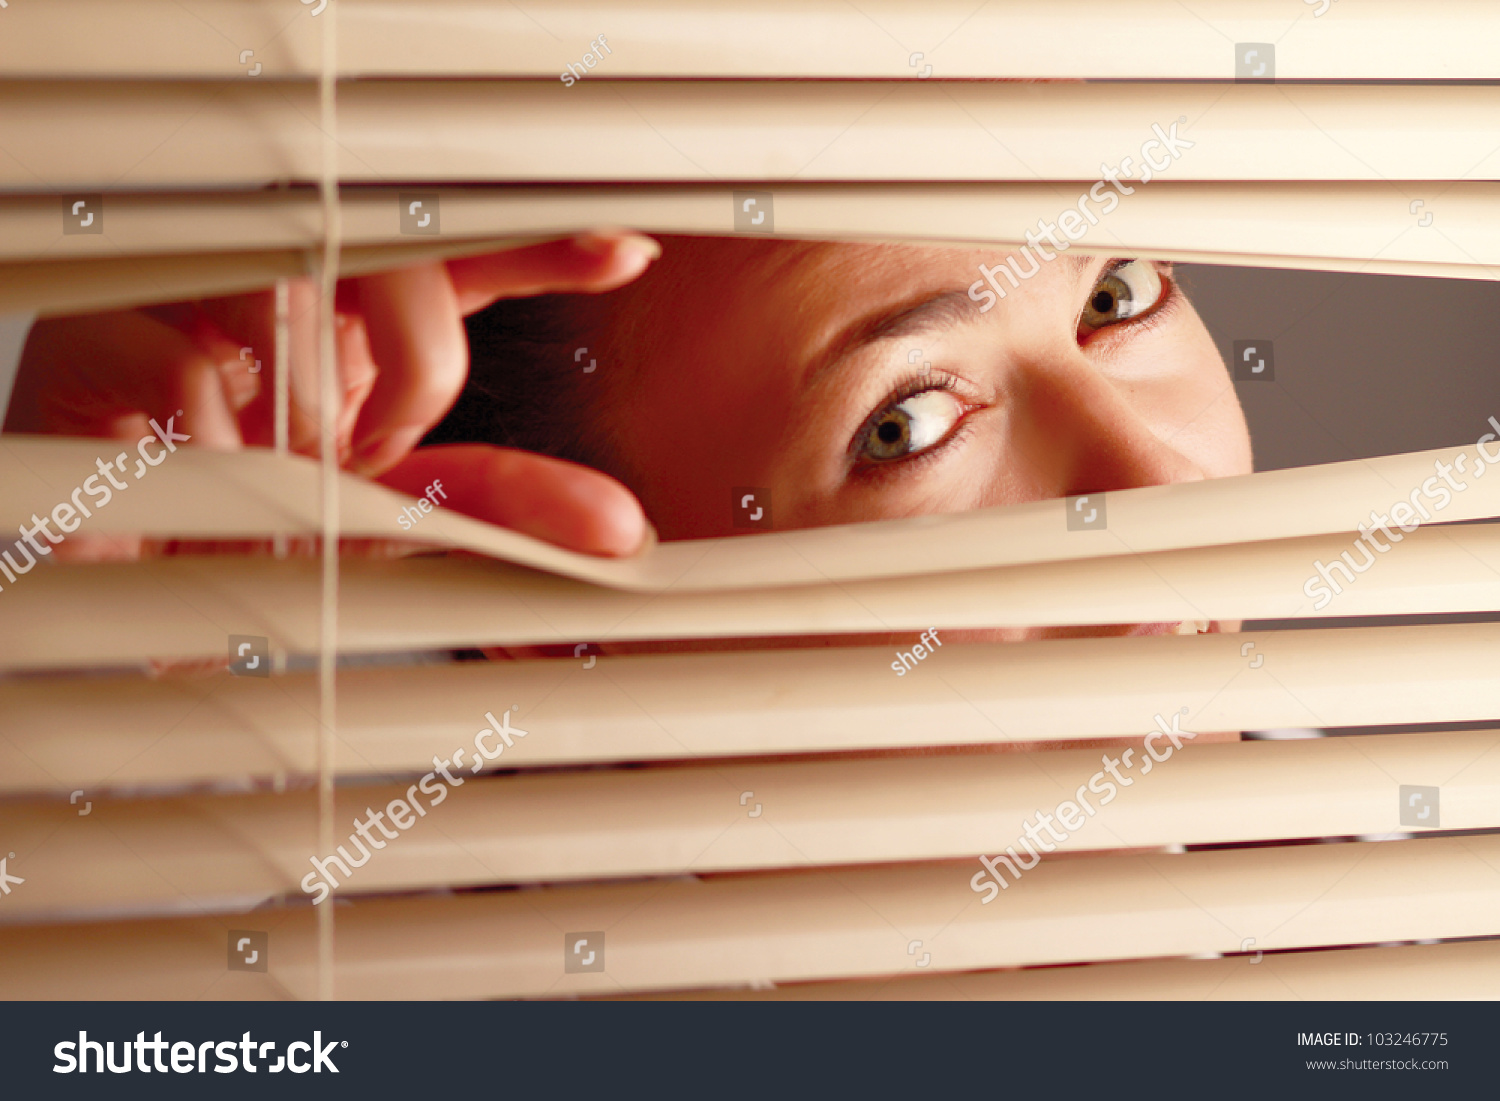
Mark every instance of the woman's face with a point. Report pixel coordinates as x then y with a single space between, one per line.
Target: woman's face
860 382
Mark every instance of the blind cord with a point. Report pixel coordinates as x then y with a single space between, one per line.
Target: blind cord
281 388
328 188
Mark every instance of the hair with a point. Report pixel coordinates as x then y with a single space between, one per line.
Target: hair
526 387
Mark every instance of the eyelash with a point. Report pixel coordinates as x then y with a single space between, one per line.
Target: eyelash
906 389
1165 306
914 384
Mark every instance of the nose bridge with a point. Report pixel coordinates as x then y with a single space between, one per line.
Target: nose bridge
1097 437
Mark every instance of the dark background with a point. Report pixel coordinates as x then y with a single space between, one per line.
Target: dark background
1365 364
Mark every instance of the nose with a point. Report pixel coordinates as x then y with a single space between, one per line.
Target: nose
1092 434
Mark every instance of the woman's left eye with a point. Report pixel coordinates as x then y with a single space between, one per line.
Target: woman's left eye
1124 291
904 428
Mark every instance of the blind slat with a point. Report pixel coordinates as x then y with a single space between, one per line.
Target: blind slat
144 135
784 927
59 287
1378 39
129 733
257 493
1463 970
1348 226
183 608
206 852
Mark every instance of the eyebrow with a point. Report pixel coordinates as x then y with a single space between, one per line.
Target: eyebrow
942 310
945 309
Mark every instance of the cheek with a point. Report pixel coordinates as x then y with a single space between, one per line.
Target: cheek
1217 439
1218 430
692 428
1198 410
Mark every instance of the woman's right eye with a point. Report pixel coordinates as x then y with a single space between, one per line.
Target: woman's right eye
909 426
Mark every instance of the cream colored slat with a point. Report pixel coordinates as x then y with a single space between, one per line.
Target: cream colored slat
1348 226
1339 221
256 493
179 608
923 130
248 134
208 852
130 733
1146 39
48 287
796 926
1454 971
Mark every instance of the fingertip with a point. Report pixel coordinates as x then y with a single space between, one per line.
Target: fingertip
378 454
606 242
592 513
559 502
586 263
617 257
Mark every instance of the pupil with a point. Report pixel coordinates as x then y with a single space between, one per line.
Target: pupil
1103 302
889 432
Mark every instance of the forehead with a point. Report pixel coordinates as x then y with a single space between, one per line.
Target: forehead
723 276
728 299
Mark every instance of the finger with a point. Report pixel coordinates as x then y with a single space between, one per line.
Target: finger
416 339
238 331
537 495
251 320
586 264
357 375
91 375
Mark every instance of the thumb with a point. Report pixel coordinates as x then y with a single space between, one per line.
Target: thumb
564 503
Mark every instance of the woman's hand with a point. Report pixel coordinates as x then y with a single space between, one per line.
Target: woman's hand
402 361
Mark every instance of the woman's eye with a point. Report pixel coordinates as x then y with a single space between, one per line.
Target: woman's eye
911 425
1123 292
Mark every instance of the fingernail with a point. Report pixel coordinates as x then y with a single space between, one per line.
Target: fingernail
384 450
364 459
650 247
649 538
601 244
